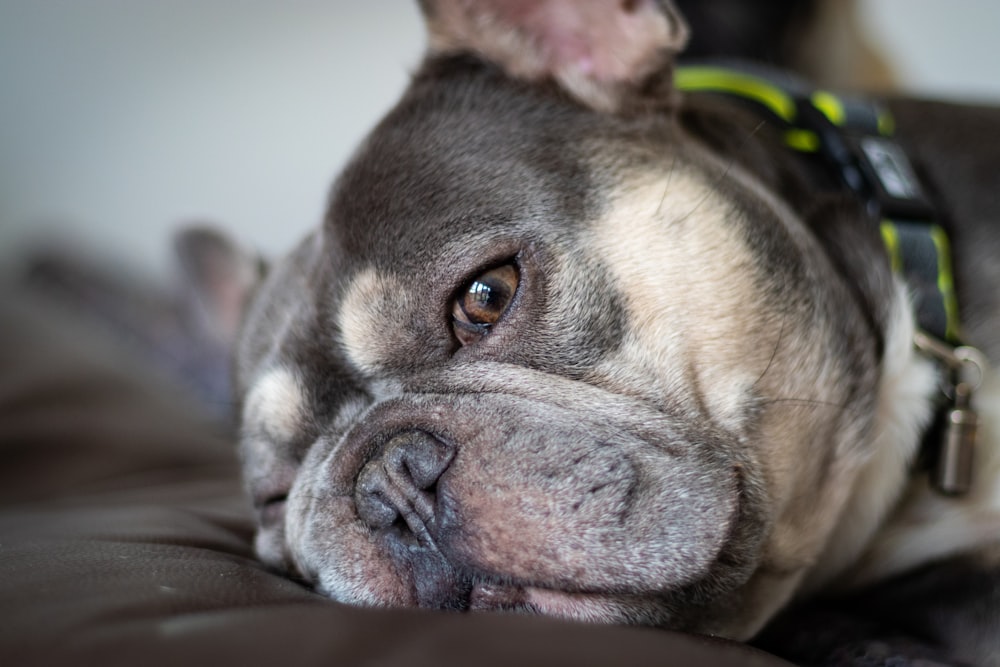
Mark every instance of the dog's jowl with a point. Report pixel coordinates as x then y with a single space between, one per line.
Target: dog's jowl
574 341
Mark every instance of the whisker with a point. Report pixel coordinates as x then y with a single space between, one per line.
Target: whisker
666 184
806 401
723 175
774 352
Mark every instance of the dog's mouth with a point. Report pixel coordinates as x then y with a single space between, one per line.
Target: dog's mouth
412 540
438 584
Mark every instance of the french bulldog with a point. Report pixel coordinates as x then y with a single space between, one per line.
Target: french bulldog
571 342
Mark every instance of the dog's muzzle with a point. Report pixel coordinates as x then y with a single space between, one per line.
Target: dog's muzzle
492 500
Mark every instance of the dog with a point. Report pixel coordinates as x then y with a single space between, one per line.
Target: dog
570 341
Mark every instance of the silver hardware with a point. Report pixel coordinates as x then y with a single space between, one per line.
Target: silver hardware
965 369
954 467
892 168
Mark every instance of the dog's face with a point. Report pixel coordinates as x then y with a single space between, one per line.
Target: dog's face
548 353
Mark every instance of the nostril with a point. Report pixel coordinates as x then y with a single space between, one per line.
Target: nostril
397 486
418 456
373 507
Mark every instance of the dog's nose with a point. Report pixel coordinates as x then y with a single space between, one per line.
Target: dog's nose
396 495
398 486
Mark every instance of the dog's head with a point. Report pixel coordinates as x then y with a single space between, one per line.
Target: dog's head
551 352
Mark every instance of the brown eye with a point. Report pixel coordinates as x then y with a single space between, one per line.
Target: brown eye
481 304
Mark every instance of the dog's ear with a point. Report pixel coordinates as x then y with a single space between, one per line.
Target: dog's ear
218 278
612 55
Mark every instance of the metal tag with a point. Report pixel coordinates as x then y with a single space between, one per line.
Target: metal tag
965 369
953 472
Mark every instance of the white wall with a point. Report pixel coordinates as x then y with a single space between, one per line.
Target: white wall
120 118
940 47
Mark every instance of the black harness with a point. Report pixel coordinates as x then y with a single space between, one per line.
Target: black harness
849 140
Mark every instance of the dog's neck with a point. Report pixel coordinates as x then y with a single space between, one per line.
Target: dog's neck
904 410
928 526
897 520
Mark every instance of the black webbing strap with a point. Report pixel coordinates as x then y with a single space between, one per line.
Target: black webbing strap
852 137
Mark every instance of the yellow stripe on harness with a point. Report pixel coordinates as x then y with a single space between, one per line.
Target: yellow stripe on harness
831 106
891 239
718 79
946 282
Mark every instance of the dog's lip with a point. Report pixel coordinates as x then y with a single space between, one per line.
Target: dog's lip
495 596
580 606
591 607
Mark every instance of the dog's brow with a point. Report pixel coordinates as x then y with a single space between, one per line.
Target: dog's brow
276 403
373 303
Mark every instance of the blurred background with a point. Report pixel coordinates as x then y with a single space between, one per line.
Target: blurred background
123 118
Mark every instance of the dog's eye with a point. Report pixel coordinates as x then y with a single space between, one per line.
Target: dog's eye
483 301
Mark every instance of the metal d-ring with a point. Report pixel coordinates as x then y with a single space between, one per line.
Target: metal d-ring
962 360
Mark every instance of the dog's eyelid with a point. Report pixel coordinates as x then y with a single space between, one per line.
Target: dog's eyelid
480 329
468 333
